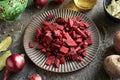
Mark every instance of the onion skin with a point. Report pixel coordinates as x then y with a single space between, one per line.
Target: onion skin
59 1
40 3
36 77
14 63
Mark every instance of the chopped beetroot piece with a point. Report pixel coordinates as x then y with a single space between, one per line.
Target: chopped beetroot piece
50 60
77 49
52 27
79 59
80 32
62 60
88 33
44 45
38 33
60 55
50 17
47 54
85 44
43 50
31 45
39 47
57 33
57 26
86 25
81 24
45 23
74 57
70 21
72 52
82 28
36 38
64 49
46 28
78 18
55 45
57 62
48 37
60 21
84 54
78 36
70 41
79 40
81 51
74 34
89 41
57 41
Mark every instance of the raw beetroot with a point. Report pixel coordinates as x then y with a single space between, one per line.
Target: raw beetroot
63 40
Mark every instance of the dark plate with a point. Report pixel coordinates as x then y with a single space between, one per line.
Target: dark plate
39 59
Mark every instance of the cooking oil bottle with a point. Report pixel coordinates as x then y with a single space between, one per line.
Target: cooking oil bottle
85 4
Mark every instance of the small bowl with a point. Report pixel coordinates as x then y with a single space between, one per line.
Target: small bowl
105 5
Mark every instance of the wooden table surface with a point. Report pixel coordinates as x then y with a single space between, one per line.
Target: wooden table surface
94 71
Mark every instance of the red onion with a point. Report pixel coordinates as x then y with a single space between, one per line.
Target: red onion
14 63
36 77
40 3
59 1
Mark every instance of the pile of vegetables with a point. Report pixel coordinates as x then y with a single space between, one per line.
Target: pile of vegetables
64 39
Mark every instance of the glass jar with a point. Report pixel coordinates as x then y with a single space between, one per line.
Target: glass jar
85 4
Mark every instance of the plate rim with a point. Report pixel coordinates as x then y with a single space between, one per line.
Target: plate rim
93 57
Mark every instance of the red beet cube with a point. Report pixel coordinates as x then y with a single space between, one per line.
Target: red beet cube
31 45
84 54
88 33
57 62
74 57
50 60
50 17
72 52
39 47
48 37
57 26
57 33
43 50
64 49
89 41
70 21
79 59
81 24
62 60
45 23
80 32
38 33
79 40
55 45
86 25
70 41
77 49
60 20
81 51
85 44
77 18
74 34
